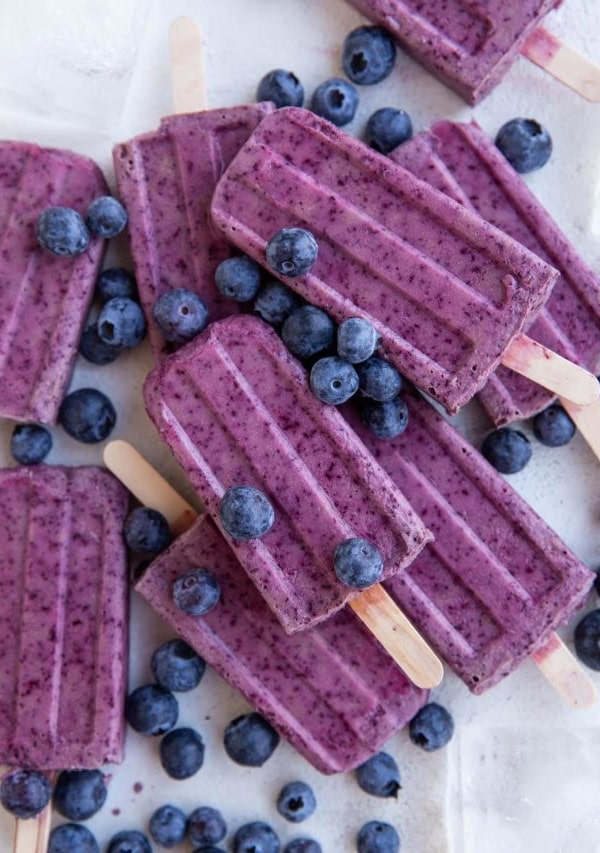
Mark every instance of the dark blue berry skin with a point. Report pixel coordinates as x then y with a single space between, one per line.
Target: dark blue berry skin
379 776
30 444
333 380
87 415
206 826
379 380
146 531
302 845
151 710
72 838
122 323
385 420
377 837
368 55
62 231
358 563
296 802
525 143
308 332
292 252
587 640
180 315
196 592
93 348
553 427
79 794
106 217
335 100
256 837
245 513
168 826
25 793
114 282
597 581
387 129
177 667
250 740
508 450
357 340
209 849
275 302
281 87
129 841
182 753
431 728
238 278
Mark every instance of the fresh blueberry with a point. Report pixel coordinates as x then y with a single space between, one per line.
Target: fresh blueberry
177 667
25 793
525 144
333 380
377 837
72 838
431 728
296 802
250 740
129 841
379 380
196 592
292 252
206 826
275 302
209 849
357 340
246 513
335 100
256 837
146 531
587 640
168 826
358 563
151 710
553 427
379 776
238 278
182 753
281 87
508 450
30 444
62 231
114 282
368 55
93 348
385 420
180 315
79 794
122 323
308 332
106 217
303 845
87 415
387 129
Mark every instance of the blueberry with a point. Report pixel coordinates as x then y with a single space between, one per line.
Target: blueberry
206 826
30 444
87 415
72 838
257 837
151 710
379 380
368 55
508 450
182 753
281 87
387 129
292 252
335 100
180 315
62 231
177 667
302 845
358 563
196 592
553 427
525 144
25 793
114 282
377 837
597 581
209 849
146 531
333 380
379 776
168 826
129 841
308 332
296 802
238 278
79 794
357 340
246 513
250 740
122 323
587 640
431 728
385 420
275 302
93 348
106 217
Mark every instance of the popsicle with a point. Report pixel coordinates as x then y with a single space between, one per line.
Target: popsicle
43 298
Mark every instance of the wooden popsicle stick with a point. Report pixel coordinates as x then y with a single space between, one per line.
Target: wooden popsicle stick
565 673
31 836
587 421
564 63
187 66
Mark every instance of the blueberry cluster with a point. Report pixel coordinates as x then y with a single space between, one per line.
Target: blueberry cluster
120 324
66 233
